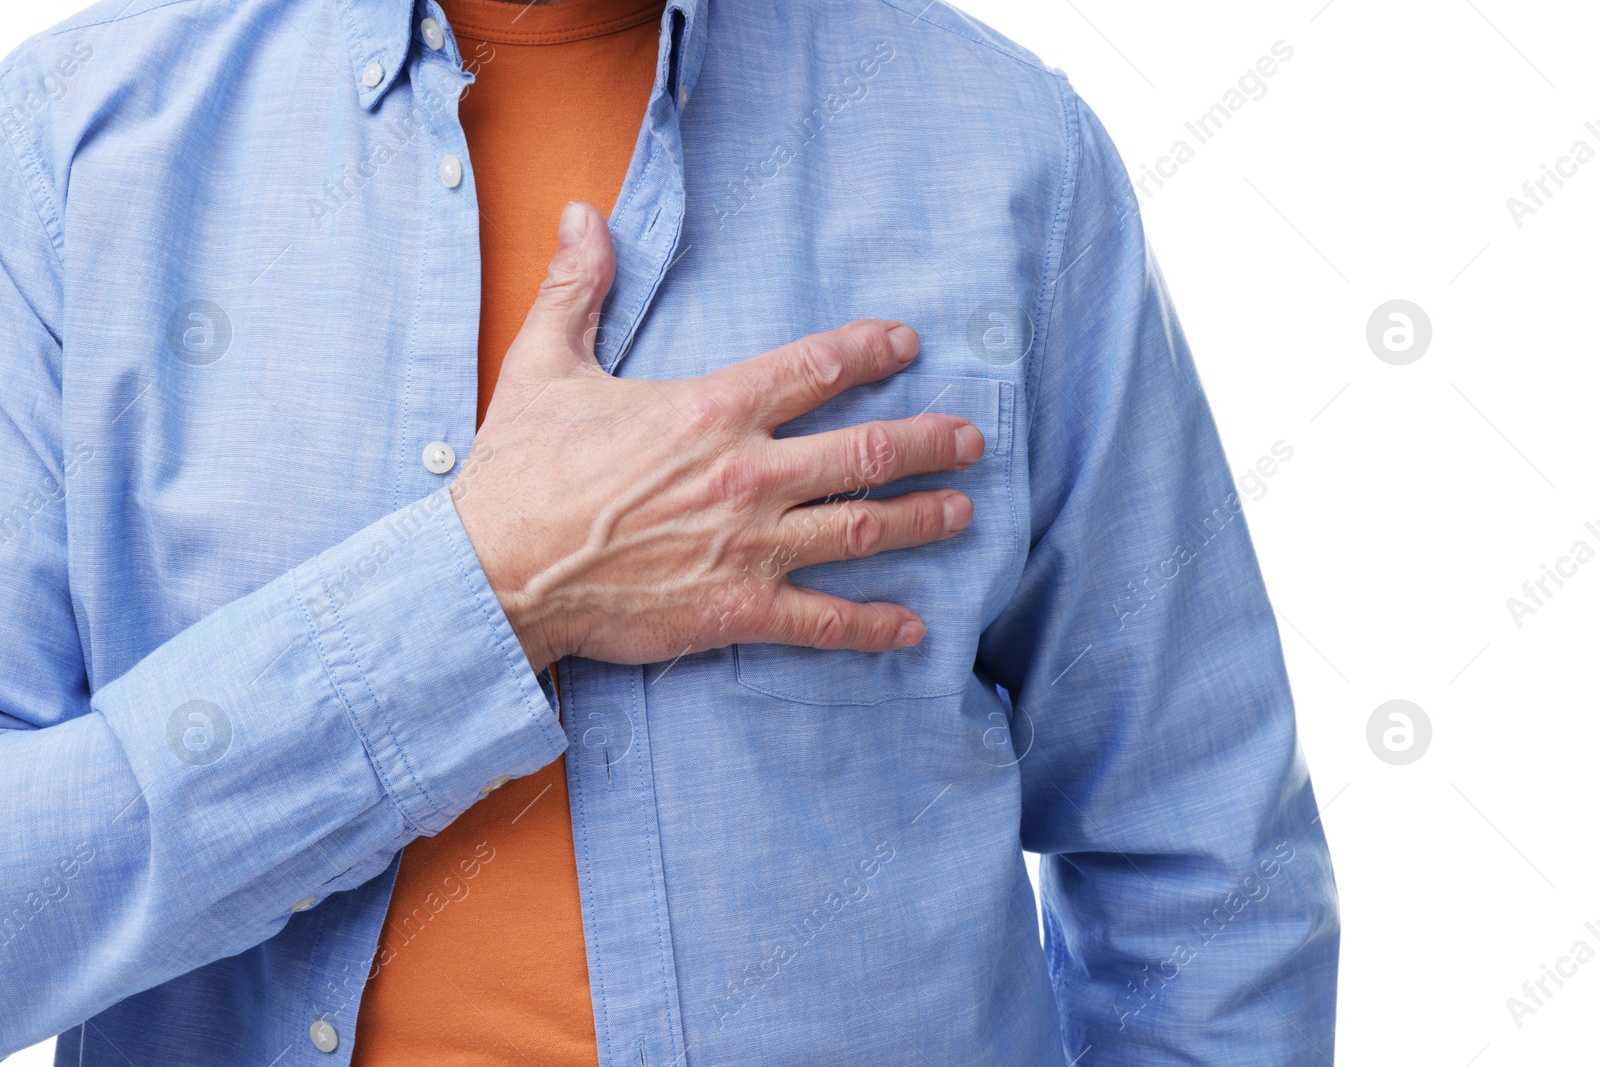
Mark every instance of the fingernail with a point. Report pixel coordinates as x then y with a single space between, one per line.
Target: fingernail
956 516
903 342
911 632
969 444
574 224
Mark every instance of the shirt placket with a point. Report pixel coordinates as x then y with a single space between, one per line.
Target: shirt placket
633 974
616 835
611 784
440 402
439 409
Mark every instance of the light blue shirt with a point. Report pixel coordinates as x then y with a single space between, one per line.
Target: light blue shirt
249 652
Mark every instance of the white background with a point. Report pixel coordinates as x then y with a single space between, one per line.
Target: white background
1419 497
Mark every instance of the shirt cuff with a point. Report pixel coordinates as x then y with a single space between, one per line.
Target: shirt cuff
426 663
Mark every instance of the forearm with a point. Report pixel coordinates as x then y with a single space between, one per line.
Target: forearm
282 749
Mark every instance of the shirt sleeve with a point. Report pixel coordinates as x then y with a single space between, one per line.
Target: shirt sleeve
279 750
1190 908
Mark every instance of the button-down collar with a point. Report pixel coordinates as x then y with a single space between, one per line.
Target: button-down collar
380 31
376 31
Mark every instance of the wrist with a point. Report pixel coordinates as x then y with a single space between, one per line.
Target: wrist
506 580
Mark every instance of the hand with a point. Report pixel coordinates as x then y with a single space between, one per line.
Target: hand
633 521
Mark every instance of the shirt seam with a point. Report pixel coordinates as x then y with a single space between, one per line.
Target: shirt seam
356 41
355 720
1056 248
378 709
659 145
57 233
994 46
344 702
1008 421
71 27
578 803
417 296
647 796
377 706
31 170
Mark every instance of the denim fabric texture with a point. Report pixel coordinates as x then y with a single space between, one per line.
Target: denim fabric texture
249 652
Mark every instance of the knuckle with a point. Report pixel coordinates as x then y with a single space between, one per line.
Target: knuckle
776 560
872 338
562 286
874 455
935 445
709 409
863 531
829 629
736 482
819 364
944 440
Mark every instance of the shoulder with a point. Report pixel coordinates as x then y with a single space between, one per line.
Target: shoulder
953 56
947 86
124 73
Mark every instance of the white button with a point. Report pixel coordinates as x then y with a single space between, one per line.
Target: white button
432 35
438 457
496 784
373 74
302 905
325 1037
450 171
683 97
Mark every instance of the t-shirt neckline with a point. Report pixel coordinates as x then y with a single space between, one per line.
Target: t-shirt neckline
510 22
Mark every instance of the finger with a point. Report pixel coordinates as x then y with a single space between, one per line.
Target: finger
861 457
558 334
787 382
811 619
852 529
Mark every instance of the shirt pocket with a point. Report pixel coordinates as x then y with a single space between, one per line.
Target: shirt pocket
949 583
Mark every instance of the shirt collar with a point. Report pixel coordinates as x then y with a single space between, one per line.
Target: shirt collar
376 31
382 32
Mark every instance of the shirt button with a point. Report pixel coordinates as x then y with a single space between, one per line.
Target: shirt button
324 1036
683 97
302 905
450 171
373 74
438 457
496 784
432 35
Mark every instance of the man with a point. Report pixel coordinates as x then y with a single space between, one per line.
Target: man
297 521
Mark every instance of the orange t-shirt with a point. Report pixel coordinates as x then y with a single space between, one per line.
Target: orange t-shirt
481 959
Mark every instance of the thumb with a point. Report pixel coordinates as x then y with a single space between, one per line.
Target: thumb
559 334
